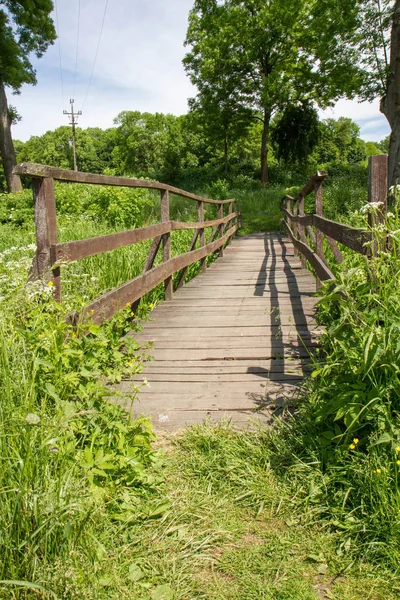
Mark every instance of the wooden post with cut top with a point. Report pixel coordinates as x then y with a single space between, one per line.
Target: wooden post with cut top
166 238
46 232
377 192
377 184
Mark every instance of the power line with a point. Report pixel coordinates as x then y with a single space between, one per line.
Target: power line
59 52
77 44
97 51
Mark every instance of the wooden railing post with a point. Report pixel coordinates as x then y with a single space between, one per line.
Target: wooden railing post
166 242
221 227
46 232
377 185
203 264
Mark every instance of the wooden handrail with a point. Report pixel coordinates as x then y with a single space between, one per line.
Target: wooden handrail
75 250
37 170
299 225
50 255
353 238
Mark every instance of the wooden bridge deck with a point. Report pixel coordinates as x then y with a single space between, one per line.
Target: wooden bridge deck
234 342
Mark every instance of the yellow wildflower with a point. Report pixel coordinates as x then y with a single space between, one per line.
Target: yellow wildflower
352 447
51 283
127 305
355 441
73 335
398 449
398 463
92 311
378 471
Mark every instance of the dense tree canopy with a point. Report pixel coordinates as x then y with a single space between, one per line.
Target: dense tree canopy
268 56
183 151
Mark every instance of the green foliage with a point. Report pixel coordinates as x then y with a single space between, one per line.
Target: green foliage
295 133
16 208
339 141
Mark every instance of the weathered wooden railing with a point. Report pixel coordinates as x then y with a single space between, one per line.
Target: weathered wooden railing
50 255
309 243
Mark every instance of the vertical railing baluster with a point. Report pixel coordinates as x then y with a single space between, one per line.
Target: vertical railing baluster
203 264
221 227
302 229
166 242
295 226
46 232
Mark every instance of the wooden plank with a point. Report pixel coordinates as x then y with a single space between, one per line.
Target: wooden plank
75 250
37 170
266 343
209 354
225 367
245 378
239 332
104 307
202 395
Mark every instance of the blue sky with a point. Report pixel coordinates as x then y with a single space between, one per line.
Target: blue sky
138 67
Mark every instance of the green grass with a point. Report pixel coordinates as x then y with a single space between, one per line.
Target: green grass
229 529
261 209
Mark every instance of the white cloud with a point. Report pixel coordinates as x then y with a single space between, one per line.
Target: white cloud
373 125
139 67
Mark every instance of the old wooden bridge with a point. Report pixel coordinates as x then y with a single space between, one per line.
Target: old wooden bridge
233 342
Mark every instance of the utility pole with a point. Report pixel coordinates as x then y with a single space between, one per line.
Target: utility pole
73 120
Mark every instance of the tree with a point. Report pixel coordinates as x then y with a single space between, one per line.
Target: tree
249 47
296 133
339 141
265 52
25 28
368 33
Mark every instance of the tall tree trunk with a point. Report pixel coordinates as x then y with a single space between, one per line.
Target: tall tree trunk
390 104
226 164
264 147
7 151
